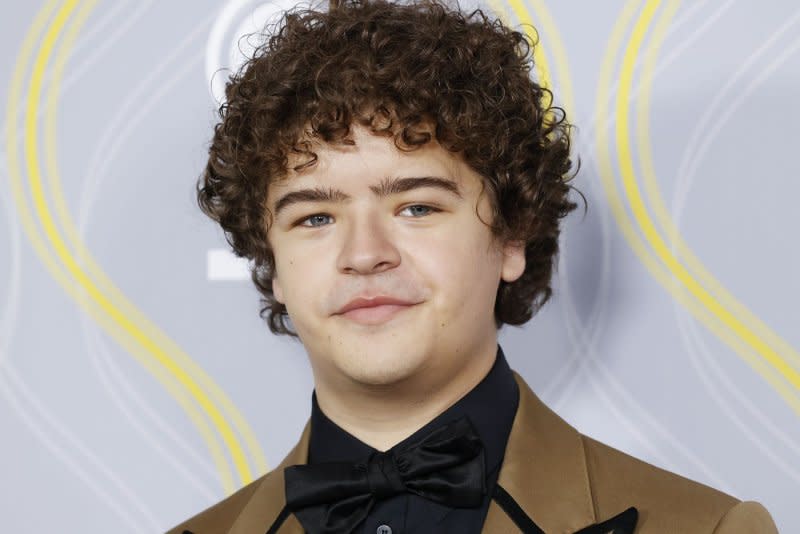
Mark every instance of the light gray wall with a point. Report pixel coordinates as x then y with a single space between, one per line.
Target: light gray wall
105 408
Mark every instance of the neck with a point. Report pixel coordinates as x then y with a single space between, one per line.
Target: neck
382 416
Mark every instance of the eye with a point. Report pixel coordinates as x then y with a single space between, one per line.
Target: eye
430 209
310 218
317 216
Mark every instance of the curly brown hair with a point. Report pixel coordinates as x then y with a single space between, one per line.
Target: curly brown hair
402 70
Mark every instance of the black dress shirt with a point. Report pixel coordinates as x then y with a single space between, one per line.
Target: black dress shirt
490 405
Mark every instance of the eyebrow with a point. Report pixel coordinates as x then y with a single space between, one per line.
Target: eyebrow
388 186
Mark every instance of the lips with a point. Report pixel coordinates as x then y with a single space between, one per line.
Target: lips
375 315
362 302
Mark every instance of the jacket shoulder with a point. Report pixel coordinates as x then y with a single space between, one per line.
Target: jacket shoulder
667 502
219 517
747 516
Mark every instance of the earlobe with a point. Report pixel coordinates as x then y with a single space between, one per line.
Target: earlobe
513 261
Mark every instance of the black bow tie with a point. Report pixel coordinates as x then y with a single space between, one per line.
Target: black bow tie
446 466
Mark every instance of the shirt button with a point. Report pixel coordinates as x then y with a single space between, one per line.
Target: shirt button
384 529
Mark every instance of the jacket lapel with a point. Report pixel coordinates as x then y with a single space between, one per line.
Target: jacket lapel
544 471
269 499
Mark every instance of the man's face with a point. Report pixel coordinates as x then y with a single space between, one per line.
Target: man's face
424 246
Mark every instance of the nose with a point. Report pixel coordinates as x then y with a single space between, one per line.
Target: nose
368 246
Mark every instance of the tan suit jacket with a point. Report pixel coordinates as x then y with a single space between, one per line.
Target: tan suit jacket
562 479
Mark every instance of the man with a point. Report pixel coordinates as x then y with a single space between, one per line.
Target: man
397 179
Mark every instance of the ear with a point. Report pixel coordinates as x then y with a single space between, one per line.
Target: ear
513 261
277 290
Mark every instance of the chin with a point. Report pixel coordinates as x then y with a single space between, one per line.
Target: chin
377 371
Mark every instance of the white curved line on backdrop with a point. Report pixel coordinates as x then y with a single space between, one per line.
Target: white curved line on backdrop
712 120
9 381
136 106
58 434
115 382
225 20
214 44
696 344
75 75
691 160
665 61
9 317
598 312
588 341
96 53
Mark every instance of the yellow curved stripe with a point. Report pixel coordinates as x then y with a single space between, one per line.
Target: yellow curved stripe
605 167
625 225
673 235
549 30
115 295
617 205
643 138
625 162
34 172
41 207
32 157
119 335
40 247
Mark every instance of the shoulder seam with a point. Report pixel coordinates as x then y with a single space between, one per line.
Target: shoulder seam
723 516
589 486
244 505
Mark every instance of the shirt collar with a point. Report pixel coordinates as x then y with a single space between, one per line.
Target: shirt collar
490 405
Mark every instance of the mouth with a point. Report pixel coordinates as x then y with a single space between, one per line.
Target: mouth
374 315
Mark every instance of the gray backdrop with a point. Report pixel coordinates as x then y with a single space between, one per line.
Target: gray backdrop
138 384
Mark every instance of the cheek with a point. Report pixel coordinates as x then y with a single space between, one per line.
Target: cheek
291 271
455 266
